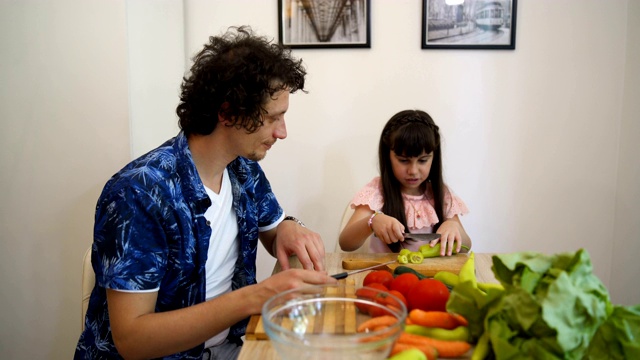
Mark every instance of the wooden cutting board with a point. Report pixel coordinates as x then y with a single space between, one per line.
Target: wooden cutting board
428 267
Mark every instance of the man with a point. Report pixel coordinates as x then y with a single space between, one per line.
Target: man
176 230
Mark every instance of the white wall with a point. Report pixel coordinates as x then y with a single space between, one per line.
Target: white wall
65 130
626 247
155 39
540 141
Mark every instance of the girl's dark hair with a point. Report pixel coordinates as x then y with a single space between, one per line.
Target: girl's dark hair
409 133
234 76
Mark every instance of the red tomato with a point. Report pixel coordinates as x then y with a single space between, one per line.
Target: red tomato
378 276
428 295
362 307
378 286
363 294
399 295
403 283
390 301
376 311
368 293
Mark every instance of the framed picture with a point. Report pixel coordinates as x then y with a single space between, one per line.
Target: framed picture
324 23
469 24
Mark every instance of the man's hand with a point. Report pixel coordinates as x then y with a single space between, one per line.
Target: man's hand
294 239
284 281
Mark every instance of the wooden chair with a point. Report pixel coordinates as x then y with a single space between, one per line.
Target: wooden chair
346 215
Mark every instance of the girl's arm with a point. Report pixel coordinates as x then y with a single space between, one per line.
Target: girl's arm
357 230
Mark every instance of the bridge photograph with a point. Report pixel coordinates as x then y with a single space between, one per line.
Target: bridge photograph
324 23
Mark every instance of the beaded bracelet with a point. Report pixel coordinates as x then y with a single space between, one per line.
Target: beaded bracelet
371 219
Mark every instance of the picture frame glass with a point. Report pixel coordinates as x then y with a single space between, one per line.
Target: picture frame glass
324 23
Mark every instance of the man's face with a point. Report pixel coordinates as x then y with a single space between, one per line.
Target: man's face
273 128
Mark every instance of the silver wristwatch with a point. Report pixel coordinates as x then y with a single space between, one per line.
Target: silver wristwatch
294 219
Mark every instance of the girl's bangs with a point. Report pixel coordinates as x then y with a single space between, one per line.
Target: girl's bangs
411 140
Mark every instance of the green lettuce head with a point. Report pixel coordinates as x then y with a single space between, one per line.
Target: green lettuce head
551 308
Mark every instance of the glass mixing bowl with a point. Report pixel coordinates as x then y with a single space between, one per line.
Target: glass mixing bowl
321 322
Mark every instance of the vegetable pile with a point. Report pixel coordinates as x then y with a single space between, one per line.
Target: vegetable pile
433 333
430 331
546 307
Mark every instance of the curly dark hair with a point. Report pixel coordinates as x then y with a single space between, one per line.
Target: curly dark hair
234 76
409 133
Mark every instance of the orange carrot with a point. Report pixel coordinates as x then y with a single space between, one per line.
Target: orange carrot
370 338
408 321
428 350
379 327
445 348
461 319
376 322
440 319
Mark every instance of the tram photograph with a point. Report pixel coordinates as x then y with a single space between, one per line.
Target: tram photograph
490 16
469 24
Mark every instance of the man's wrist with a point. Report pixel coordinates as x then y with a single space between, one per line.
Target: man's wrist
273 247
292 218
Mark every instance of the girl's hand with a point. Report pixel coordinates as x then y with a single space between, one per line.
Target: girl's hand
450 236
387 228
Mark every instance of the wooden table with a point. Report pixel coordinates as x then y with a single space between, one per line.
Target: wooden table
262 349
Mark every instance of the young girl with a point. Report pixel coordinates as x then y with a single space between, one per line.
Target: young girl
409 196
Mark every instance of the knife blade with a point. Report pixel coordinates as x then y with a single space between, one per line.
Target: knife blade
344 274
423 237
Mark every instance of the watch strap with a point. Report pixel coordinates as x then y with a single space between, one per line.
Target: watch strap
292 218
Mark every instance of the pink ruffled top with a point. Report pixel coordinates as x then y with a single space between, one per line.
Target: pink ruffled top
419 211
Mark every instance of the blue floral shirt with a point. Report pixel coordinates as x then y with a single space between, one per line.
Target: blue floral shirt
150 233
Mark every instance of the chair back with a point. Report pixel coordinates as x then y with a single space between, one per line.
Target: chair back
346 215
88 281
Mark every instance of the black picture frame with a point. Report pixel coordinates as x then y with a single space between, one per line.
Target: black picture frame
315 24
474 24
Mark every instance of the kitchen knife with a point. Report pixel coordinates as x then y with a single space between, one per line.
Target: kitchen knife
423 237
343 275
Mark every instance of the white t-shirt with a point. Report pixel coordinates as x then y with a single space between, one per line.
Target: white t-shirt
223 246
